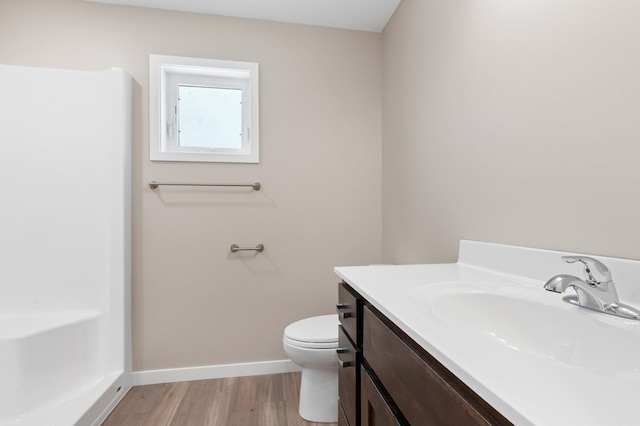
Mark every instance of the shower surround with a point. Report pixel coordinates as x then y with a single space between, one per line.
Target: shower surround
65 211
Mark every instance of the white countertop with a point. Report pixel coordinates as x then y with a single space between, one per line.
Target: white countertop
526 388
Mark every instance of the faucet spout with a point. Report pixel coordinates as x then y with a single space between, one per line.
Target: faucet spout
559 283
589 295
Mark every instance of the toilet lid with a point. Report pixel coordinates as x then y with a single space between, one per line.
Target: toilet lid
322 329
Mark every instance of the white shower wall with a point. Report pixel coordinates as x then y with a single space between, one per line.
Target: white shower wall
55 216
65 214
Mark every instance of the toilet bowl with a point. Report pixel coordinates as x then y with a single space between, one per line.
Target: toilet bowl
311 343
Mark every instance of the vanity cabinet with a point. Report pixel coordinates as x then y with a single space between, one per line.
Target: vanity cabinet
400 383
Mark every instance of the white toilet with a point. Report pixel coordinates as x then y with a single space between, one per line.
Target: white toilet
311 343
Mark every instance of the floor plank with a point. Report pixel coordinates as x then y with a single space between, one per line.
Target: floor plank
270 400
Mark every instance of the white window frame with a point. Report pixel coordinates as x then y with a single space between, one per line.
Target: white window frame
167 72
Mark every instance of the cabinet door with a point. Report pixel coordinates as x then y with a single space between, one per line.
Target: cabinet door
349 378
375 410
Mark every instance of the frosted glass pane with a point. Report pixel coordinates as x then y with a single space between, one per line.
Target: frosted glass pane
209 117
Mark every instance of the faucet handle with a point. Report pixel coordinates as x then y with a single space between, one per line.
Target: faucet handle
595 271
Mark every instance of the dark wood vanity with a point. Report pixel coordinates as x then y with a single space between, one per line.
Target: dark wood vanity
386 378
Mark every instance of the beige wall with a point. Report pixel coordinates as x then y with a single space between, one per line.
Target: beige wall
514 122
504 121
320 105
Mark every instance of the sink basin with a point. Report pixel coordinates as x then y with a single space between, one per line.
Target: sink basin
532 321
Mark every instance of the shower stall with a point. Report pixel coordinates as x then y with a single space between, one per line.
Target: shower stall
65 183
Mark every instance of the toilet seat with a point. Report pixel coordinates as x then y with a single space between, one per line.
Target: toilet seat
314 333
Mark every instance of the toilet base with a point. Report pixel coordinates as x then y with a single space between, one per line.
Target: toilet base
319 394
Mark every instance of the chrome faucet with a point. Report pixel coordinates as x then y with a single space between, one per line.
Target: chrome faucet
597 291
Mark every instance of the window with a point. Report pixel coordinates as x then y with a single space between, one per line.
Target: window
203 110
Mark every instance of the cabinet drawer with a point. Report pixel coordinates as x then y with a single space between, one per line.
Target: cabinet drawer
349 309
423 389
349 378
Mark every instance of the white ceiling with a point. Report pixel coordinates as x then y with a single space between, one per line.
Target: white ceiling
364 15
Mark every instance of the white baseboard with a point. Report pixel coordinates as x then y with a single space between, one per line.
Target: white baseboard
170 375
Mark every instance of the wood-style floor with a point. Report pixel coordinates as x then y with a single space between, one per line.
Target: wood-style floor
270 400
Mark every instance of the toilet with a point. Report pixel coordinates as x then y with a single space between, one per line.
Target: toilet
311 343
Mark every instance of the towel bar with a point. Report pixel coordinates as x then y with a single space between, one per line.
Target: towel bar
256 186
259 248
